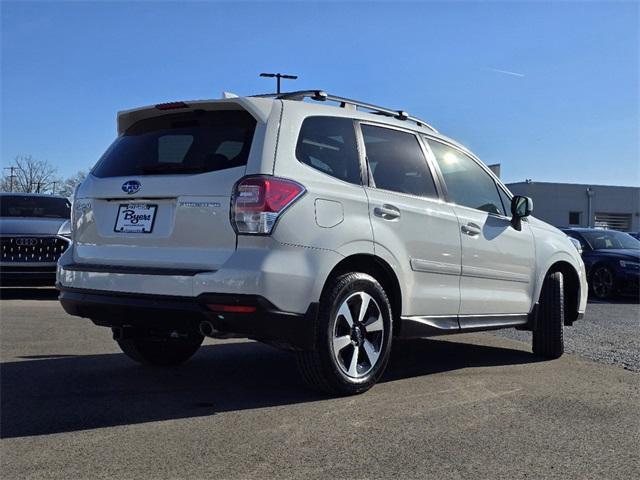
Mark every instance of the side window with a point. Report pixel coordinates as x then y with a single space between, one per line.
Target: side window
329 144
397 162
467 183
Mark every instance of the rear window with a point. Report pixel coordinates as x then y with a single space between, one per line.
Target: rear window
27 206
193 142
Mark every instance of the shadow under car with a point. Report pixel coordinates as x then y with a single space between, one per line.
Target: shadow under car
61 393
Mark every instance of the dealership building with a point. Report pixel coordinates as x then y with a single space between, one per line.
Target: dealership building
575 205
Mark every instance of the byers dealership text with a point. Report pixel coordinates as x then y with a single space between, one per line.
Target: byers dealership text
133 217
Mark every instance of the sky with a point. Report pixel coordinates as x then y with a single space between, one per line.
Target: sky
550 90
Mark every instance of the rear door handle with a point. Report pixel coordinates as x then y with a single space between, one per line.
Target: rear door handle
387 212
470 229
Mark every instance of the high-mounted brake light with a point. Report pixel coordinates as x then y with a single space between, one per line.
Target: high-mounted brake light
258 201
171 106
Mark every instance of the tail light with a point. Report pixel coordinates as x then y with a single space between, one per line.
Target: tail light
257 203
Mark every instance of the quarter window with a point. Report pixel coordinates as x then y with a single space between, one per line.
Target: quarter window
467 183
329 144
397 162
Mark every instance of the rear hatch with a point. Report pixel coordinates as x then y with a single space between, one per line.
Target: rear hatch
159 196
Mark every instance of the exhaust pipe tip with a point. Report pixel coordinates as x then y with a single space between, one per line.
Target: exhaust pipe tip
206 329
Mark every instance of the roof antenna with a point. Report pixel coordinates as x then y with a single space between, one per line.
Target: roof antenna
278 76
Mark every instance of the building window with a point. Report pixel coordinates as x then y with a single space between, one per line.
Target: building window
613 221
574 218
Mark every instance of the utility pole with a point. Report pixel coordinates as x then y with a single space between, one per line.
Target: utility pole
11 176
278 76
54 187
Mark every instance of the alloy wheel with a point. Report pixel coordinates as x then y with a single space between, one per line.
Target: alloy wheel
358 334
602 282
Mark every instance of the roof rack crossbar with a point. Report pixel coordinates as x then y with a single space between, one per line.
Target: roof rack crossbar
321 96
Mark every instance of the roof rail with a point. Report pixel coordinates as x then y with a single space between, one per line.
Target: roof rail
322 96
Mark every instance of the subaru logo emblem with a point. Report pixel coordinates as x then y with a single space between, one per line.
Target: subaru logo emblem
131 187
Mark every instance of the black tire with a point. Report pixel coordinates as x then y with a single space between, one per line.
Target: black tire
548 335
321 367
602 282
160 351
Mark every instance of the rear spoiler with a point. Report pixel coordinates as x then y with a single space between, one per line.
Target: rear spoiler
259 108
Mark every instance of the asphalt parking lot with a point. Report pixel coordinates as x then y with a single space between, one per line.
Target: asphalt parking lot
469 406
609 333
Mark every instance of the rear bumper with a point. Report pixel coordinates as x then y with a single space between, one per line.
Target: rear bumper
289 277
267 324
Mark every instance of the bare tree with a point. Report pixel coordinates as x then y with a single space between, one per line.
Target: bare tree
28 175
68 187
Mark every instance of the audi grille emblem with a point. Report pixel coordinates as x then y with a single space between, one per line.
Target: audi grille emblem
131 187
26 242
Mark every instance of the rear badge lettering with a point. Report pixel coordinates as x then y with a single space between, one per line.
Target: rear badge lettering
200 204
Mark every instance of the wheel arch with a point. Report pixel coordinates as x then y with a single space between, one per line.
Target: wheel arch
378 269
571 281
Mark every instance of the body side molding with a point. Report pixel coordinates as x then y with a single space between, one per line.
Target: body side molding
493 274
430 266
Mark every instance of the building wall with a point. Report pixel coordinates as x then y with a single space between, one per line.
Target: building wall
552 202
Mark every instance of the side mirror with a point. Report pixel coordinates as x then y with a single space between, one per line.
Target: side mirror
65 229
520 207
577 244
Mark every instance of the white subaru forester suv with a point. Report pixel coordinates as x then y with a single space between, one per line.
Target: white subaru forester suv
315 223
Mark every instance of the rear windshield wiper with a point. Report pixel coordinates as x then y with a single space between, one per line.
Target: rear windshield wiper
171 168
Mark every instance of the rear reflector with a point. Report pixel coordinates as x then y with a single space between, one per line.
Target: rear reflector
171 106
231 308
258 201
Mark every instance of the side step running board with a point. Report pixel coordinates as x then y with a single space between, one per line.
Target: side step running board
429 326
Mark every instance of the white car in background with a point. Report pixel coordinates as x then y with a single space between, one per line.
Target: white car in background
34 232
324 229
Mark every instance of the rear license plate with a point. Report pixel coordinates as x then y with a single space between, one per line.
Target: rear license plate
135 218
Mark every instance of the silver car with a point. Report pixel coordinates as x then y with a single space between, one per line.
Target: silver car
316 223
34 232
